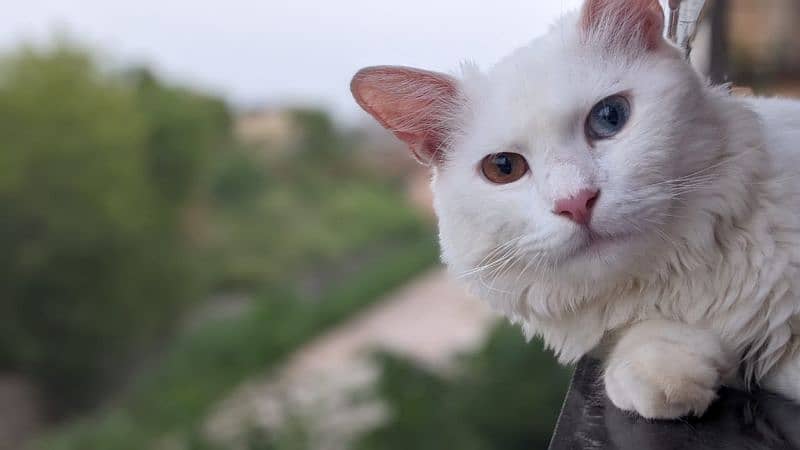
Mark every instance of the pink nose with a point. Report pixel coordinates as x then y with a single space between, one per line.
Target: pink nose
577 208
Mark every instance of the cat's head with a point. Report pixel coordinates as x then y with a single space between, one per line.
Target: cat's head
570 161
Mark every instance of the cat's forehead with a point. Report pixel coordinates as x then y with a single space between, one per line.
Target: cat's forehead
554 73
546 84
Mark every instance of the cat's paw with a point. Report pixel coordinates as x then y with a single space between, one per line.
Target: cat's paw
665 377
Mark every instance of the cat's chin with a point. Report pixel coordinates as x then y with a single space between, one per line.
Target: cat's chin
591 244
597 256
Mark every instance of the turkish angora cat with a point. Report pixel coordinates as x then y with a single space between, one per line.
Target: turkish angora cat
597 191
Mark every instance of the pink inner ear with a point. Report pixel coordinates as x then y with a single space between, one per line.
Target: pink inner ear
415 105
624 22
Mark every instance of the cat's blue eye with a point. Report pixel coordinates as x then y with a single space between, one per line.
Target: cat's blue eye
608 118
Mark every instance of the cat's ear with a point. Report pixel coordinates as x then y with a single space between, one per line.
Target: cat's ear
416 105
624 23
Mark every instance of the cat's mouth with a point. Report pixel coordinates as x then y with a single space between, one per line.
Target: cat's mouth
597 244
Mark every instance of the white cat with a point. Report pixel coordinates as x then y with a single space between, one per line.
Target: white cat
597 191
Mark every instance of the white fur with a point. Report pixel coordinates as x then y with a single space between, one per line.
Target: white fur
700 202
665 369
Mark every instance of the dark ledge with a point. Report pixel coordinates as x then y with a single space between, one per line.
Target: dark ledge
736 421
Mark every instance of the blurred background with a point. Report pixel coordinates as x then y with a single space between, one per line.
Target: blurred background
206 245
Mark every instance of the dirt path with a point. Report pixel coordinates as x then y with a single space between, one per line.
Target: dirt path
429 320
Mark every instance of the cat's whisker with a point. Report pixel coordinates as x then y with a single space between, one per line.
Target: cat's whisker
501 260
481 266
702 174
661 233
503 250
498 249
678 183
504 269
536 259
495 274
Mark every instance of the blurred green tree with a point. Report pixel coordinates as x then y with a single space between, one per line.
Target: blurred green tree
96 171
185 132
318 138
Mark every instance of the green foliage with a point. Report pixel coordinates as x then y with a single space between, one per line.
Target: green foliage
265 243
293 436
506 396
204 365
273 220
93 260
127 201
186 132
237 180
318 137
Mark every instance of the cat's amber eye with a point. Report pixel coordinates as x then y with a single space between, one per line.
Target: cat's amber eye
504 168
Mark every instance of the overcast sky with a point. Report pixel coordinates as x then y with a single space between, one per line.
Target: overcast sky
257 52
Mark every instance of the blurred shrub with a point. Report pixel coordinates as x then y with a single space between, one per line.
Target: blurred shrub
505 396
204 365
292 436
95 171
237 180
318 136
314 209
186 133
292 229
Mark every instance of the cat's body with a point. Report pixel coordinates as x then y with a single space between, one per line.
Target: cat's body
680 262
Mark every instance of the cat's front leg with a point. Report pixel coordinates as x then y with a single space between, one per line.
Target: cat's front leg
665 370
